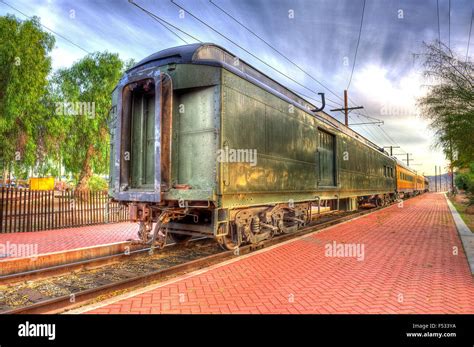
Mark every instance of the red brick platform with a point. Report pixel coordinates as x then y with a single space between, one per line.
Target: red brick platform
72 238
409 265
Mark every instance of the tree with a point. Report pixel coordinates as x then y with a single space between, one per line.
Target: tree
24 68
449 103
82 95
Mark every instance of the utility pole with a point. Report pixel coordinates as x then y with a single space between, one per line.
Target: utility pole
452 179
391 149
440 178
346 109
407 159
446 182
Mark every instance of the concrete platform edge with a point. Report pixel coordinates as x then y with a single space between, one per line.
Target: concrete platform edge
465 234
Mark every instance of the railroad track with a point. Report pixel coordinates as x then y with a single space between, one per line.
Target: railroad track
141 271
133 251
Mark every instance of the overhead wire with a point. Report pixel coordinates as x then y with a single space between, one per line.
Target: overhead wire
357 46
49 29
470 29
241 47
275 49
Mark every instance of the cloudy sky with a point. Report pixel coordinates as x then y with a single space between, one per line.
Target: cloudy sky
320 36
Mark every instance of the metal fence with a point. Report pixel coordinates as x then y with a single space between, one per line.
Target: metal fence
30 210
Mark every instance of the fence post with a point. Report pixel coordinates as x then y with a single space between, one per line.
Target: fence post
107 212
1 210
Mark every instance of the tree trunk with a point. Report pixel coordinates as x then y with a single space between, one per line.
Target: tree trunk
86 172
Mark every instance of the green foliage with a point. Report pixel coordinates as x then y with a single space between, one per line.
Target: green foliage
97 183
449 104
24 67
82 95
465 181
462 181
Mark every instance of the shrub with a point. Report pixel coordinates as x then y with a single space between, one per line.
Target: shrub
97 183
465 181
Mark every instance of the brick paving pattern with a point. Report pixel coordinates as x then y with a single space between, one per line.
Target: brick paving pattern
410 265
72 238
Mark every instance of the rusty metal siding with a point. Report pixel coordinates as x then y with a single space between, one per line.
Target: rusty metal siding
362 169
287 140
196 128
195 136
255 120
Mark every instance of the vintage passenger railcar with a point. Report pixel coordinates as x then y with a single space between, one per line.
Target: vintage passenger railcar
205 144
409 182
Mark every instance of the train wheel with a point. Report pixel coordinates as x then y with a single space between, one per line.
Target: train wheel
232 240
144 232
288 224
379 202
179 238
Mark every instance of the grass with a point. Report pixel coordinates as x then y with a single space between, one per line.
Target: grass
467 218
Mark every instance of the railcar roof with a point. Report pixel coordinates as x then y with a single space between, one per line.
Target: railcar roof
186 54
182 54
403 165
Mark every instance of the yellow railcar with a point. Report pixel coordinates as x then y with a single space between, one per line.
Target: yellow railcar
409 183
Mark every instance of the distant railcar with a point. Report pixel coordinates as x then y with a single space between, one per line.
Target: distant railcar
205 144
409 183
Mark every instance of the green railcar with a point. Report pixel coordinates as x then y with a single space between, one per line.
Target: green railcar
205 144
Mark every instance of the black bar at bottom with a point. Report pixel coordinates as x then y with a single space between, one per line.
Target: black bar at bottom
310 330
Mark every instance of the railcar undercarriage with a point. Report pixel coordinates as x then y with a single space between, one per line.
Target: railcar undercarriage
248 225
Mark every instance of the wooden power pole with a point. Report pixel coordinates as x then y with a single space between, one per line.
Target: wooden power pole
391 149
346 109
407 159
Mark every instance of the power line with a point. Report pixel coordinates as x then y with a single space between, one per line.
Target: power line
449 25
160 19
388 136
292 62
241 47
256 57
330 103
382 131
310 97
470 29
439 30
375 138
357 47
44 26
274 49
195 38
